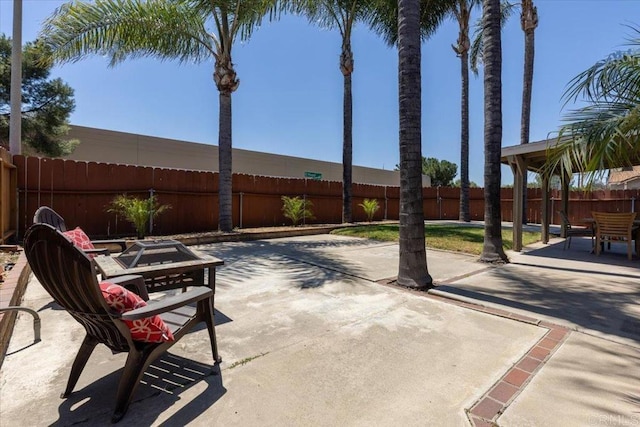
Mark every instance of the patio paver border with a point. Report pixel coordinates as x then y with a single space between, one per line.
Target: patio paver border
486 410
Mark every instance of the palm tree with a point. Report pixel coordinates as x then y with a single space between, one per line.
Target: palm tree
341 14
604 133
528 23
407 23
492 250
412 269
164 29
462 13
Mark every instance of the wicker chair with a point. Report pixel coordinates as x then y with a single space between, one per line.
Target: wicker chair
69 276
46 215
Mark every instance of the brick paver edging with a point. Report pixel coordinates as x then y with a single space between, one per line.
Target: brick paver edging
485 411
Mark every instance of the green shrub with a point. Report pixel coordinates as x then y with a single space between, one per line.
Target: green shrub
296 209
370 207
137 211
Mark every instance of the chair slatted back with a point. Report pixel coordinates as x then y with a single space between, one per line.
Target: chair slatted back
68 275
615 224
46 215
565 219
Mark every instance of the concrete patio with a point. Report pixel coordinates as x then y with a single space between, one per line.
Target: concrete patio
310 334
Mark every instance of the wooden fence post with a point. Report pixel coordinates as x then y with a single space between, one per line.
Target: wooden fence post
8 195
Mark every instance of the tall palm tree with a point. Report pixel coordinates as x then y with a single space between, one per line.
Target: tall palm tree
407 23
528 23
462 12
606 132
341 14
412 269
492 250
164 29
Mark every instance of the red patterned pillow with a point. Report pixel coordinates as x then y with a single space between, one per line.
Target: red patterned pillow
79 238
149 329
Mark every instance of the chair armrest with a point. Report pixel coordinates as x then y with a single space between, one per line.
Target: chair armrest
121 243
133 283
96 251
167 304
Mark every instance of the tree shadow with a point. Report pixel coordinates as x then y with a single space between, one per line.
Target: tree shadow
594 292
166 379
244 261
581 250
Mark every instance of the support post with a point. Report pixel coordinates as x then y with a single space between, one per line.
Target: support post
545 208
565 200
518 167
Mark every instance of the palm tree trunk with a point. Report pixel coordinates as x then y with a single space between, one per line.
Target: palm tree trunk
529 22
226 81
464 137
347 150
492 250
225 222
412 269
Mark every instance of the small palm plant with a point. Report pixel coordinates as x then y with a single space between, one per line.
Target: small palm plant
296 209
137 211
370 207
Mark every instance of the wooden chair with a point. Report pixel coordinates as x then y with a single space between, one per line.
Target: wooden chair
611 227
46 215
571 231
69 276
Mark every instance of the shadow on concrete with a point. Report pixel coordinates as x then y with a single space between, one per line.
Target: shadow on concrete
160 388
581 251
245 260
600 293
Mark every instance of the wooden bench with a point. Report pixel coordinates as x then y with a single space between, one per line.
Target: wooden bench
616 226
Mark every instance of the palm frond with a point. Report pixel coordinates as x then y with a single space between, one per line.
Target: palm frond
598 137
477 46
384 20
605 133
331 14
250 13
121 29
616 77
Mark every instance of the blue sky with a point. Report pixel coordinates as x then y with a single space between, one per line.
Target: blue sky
290 96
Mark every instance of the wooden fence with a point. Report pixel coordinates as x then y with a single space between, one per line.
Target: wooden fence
81 192
7 196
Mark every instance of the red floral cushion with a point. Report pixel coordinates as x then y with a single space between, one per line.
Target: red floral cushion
79 238
149 329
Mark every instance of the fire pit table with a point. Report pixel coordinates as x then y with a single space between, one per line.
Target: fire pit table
164 264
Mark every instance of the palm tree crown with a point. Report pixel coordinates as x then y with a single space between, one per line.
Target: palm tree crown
167 30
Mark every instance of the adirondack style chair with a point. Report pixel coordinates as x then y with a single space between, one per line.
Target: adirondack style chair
69 275
46 215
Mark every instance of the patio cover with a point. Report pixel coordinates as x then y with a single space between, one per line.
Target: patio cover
532 157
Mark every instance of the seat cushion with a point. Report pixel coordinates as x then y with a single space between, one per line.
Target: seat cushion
79 238
149 329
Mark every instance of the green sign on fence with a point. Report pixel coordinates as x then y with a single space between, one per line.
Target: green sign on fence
313 175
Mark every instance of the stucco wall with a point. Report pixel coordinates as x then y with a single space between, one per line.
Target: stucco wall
126 148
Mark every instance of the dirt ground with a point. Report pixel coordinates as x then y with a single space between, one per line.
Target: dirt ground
7 258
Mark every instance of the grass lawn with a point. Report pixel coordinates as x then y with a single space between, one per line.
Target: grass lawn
457 238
